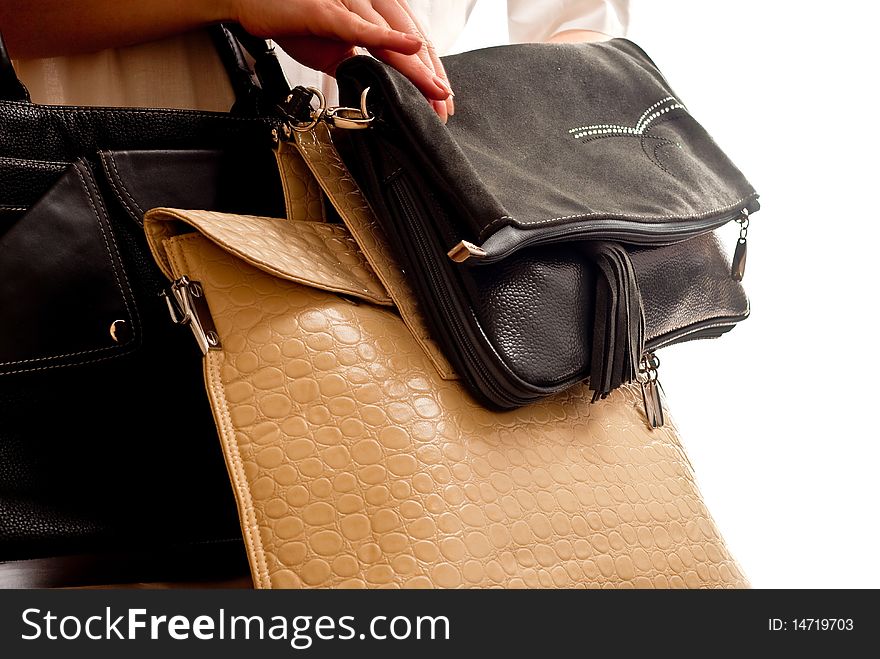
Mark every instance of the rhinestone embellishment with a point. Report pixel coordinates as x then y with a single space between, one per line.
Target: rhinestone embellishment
639 131
654 112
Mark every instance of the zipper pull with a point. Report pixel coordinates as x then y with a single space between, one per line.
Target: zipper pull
651 390
187 306
738 266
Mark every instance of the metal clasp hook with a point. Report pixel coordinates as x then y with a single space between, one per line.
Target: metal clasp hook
338 117
351 118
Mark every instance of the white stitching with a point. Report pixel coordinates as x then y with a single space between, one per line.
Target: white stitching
64 110
393 174
133 310
59 164
609 129
251 527
699 216
35 369
111 252
226 429
110 163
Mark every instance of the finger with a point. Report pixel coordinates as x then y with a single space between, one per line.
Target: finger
420 71
316 52
365 9
429 83
399 17
441 74
348 26
434 56
441 110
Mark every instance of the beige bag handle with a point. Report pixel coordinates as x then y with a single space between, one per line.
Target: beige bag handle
316 150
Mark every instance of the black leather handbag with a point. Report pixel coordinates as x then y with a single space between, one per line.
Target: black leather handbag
104 468
560 227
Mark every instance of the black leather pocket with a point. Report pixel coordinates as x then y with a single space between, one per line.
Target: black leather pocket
65 298
21 184
231 181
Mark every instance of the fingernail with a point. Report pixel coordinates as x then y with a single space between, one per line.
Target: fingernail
440 109
413 38
442 84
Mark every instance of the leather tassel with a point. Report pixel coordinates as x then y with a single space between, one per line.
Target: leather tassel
619 325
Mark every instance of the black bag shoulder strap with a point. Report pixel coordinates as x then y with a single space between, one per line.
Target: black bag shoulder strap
258 89
11 88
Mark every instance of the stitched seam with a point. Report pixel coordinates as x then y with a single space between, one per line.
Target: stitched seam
12 209
359 221
157 233
35 369
350 284
24 161
110 163
656 151
392 175
176 240
281 158
284 156
352 216
64 110
132 310
226 433
646 136
111 252
699 216
639 130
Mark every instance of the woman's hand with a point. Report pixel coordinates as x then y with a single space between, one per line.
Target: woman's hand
322 33
319 33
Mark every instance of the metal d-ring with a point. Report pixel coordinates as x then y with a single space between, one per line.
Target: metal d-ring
316 115
338 117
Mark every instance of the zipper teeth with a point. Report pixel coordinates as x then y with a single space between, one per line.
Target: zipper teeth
679 335
401 194
613 229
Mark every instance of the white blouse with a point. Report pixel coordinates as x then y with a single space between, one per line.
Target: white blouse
184 71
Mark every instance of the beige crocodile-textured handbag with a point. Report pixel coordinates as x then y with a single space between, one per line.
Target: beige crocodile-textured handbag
356 457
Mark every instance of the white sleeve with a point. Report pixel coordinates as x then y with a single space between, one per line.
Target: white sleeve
538 20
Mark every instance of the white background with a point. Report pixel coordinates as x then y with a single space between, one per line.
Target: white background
780 417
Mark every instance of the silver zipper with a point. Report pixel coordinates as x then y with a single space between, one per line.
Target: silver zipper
187 306
510 239
652 398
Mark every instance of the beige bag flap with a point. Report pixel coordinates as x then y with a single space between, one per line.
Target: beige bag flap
316 254
316 148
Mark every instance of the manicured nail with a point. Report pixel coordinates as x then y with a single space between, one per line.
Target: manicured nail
412 38
442 84
440 109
